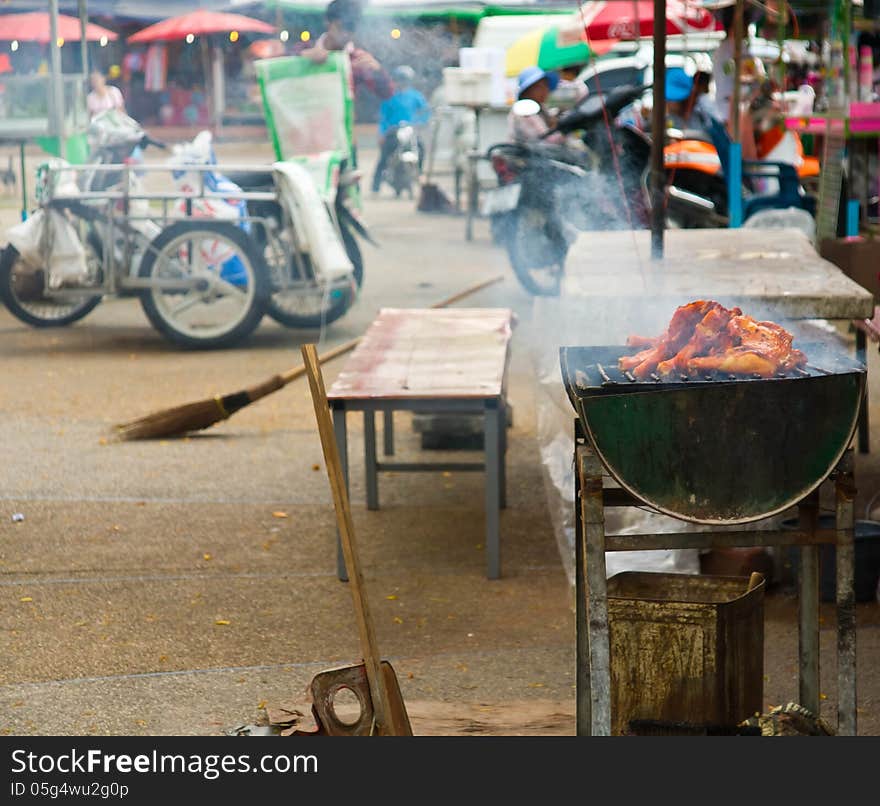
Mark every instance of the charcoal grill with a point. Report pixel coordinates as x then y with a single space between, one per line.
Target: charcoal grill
716 449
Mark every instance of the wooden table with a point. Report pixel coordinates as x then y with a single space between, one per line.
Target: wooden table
437 360
764 271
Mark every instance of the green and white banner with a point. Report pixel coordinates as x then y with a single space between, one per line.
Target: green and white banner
310 113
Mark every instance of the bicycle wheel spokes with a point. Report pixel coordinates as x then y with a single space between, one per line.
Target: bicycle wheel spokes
224 288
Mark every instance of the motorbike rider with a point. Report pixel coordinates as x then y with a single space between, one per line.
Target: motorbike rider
406 105
536 85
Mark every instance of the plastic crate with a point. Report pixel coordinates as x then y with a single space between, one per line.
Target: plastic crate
466 87
685 649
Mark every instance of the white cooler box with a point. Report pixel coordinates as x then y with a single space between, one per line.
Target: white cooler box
465 87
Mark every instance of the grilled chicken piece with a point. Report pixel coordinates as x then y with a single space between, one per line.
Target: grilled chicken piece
704 336
738 361
710 336
679 333
642 341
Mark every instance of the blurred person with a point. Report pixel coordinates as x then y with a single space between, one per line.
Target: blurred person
534 84
406 105
103 96
342 18
573 89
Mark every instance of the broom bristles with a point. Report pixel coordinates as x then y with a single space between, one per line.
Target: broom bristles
175 421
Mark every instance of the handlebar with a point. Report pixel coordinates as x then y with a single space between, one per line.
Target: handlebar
146 140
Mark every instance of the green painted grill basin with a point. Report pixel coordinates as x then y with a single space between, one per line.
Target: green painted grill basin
716 451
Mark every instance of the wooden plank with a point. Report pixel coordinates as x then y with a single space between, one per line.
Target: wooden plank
411 354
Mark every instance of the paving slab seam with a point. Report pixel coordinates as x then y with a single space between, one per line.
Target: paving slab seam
37 580
279 666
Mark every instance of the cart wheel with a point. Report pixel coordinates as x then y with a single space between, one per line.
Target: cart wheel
537 257
23 290
230 289
299 302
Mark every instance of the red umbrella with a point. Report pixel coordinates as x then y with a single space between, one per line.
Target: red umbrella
634 19
199 23
34 27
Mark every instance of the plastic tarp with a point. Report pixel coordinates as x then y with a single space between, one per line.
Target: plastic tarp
310 112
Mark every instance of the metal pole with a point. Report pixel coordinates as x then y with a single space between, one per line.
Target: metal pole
734 179
56 106
658 127
83 42
737 69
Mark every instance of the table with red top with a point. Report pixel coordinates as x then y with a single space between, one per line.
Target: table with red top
441 361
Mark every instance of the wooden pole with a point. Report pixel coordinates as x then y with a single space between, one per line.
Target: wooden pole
658 127
345 524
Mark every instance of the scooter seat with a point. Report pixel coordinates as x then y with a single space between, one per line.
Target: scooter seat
252 180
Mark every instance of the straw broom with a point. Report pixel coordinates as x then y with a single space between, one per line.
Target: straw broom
203 414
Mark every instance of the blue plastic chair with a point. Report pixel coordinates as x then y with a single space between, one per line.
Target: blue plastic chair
789 193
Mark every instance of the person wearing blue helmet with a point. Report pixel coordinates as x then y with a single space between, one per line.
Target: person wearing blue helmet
684 93
534 84
679 88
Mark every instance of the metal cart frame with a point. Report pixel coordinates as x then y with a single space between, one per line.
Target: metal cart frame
591 543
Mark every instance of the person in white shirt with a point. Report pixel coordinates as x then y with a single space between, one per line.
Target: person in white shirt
724 67
103 96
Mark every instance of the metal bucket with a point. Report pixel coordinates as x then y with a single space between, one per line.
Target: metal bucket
686 650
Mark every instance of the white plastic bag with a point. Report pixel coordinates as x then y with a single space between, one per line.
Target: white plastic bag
314 227
66 262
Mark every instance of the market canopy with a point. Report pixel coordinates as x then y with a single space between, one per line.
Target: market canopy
596 27
200 23
635 20
471 10
34 27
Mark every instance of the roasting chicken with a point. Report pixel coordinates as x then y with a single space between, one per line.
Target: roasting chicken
705 337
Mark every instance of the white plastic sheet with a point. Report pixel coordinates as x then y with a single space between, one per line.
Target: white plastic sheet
560 323
49 240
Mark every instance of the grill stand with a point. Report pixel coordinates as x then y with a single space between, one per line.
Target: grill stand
591 543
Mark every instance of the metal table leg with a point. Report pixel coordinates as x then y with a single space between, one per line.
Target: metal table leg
846 608
864 428
472 195
582 679
502 450
341 435
596 604
388 432
370 459
491 446
808 608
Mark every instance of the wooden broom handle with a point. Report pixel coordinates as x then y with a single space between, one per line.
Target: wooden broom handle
370 649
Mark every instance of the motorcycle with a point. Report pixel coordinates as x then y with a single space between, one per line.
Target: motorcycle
402 167
697 193
548 193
